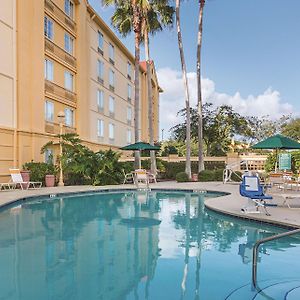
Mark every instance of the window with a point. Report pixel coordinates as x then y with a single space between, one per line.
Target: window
111 53
48 28
129 92
111 105
49 156
100 41
49 69
129 114
69 8
100 128
69 117
129 136
100 71
111 131
69 43
111 78
100 100
129 70
49 111
69 80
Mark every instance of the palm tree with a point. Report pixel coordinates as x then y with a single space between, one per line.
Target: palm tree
128 17
187 95
157 14
199 102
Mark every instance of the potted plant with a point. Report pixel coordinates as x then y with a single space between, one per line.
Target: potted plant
50 176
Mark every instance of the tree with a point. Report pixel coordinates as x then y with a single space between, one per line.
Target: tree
156 15
128 17
187 95
199 95
292 129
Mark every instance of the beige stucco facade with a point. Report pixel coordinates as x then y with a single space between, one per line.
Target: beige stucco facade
52 55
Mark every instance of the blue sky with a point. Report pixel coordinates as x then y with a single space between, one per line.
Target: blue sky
251 52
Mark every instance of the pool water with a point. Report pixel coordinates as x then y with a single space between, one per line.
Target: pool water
136 245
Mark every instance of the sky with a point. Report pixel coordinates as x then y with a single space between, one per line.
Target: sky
250 57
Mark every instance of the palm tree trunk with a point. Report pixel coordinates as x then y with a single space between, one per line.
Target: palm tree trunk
199 102
187 96
150 101
137 40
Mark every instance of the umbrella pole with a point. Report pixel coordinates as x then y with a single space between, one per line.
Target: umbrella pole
140 160
276 161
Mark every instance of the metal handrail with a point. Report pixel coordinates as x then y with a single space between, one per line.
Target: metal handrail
255 251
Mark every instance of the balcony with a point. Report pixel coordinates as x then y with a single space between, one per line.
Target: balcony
60 14
56 90
54 128
60 53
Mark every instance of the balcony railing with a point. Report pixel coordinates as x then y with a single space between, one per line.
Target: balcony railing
52 88
60 14
53 128
60 53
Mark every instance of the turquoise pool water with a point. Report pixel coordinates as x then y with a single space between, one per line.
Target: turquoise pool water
157 245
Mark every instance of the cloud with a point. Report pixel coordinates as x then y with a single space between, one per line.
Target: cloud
172 99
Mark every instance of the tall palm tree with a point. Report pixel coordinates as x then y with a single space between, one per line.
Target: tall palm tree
128 17
157 14
199 100
187 95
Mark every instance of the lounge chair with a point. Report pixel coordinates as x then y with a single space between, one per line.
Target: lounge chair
128 178
7 186
17 179
141 176
254 191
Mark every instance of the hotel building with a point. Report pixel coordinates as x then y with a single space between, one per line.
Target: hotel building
59 55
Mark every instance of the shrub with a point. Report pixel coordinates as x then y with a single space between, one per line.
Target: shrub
182 177
206 175
39 170
219 174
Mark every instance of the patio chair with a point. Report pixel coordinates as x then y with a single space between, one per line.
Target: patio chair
7 186
254 191
17 179
141 176
151 177
128 177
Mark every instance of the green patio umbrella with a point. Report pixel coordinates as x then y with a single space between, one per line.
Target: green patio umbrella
277 142
140 146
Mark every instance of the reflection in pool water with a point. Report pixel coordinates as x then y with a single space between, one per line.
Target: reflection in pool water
155 245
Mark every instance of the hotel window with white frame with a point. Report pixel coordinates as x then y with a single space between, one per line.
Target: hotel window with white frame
100 100
129 70
111 53
49 111
69 117
129 136
100 128
129 114
100 71
49 70
111 131
129 92
48 28
100 41
69 43
69 8
111 78
111 105
69 78
49 156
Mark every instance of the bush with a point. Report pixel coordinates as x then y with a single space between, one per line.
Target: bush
182 177
206 175
219 174
39 170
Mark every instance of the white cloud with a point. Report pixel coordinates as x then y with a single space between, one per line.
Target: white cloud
172 99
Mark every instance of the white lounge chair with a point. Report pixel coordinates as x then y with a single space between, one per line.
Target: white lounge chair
17 179
140 177
7 186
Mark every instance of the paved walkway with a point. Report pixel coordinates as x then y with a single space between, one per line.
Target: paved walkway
229 204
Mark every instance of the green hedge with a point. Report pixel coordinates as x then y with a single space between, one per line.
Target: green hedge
182 177
39 170
173 168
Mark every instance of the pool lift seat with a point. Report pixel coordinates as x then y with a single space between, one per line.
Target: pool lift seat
254 191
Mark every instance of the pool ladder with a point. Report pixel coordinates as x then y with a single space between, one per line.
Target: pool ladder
255 252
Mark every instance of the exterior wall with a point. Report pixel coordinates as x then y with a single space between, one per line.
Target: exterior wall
24 89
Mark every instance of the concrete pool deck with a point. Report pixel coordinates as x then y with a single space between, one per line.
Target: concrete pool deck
230 204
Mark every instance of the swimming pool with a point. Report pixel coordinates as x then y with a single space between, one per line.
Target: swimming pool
137 245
